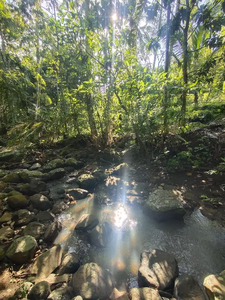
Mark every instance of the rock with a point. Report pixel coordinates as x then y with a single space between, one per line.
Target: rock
58 207
187 288
52 231
70 264
47 262
2 253
10 155
35 166
34 229
6 233
27 175
3 196
54 164
92 282
44 216
87 222
24 188
99 236
163 205
23 217
22 249
11 178
63 293
37 186
40 291
23 290
215 286
121 170
55 174
40 202
77 298
72 162
6 217
117 295
158 269
87 181
144 294
3 185
56 279
16 200
77 193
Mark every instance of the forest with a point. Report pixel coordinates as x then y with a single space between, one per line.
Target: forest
109 69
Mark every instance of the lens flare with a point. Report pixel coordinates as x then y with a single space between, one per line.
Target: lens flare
121 216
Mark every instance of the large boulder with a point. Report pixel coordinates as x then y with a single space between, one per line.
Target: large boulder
92 282
34 229
158 269
16 200
39 291
55 174
40 202
22 249
100 235
144 294
70 264
164 204
215 286
187 288
47 262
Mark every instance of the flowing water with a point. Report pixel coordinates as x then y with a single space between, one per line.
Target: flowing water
197 243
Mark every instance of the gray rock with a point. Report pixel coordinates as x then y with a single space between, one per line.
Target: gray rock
52 231
34 229
58 207
37 186
23 188
77 193
187 288
92 282
63 293
53 164
6 233
40 202
55 174
100 235
158 269
144 294
163 205
16 200
3 185
44 216
87 222
47 262
39 291
70 264
22 249
23 217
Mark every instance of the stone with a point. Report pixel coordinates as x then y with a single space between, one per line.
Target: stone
77 193
87 222
23 217
47 262
158 269
2 253
39 291
100 235
63 293
144 294
44 216
58 207
40 202
87 181
34 229
16 200
187 288
3 196
3 185
35 166
77 298
23 188
121 170
72 162
55 174
163 205
23 290
22 249
52 231
11 178
37 186
55 278
6 233
6 217
119 295
215 286
92 282
53 164
10 155
70 264
28 175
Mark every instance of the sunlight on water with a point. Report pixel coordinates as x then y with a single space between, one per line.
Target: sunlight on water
121 216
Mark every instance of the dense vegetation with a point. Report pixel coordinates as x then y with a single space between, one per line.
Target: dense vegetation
108 68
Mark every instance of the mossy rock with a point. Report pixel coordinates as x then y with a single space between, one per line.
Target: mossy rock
11 178
16 200
10 155
3 185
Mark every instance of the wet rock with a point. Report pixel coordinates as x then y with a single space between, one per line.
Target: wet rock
22 249
92 282
16 200
40 291
47 262
35 166
6 217
87 181
72 181
58 207
100 235
23 217
11 178
40 202
55 174
70 264
72 162
44 216
121 170
3 185
34 229
52 231
37 186
164 204
2 253
53 164
6 233
144 294
77 193
187 288
63 293
158 269
87 222
215 286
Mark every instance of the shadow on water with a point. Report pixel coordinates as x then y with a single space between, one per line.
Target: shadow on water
197 243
